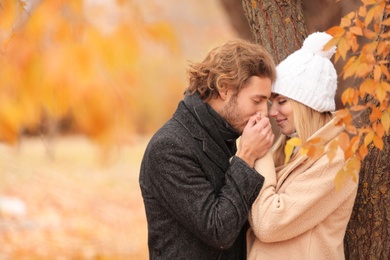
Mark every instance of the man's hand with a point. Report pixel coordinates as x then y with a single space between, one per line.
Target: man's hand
257 138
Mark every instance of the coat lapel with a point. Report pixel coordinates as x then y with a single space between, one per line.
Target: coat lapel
210 147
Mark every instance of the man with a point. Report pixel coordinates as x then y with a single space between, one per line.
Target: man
197 187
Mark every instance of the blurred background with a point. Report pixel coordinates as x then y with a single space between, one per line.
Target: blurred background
83 86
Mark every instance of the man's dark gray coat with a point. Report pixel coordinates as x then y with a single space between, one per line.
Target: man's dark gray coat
196 201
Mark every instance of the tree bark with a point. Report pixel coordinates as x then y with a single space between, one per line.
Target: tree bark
368 231
277 25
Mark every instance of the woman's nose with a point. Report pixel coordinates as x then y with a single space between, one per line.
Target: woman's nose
272 112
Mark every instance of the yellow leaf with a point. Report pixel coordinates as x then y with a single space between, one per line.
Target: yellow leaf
380 93
353 168
378 142
343 47
369 16
350 70
331 151
368 138
385 120
366 87
340 179
378 129
289 148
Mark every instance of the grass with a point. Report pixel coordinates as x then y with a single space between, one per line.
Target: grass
80 202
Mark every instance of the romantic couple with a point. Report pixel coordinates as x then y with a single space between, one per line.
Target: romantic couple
206 198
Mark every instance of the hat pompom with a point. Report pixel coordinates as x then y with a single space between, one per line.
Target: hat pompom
316 42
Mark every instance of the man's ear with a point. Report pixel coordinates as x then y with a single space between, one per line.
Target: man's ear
224 91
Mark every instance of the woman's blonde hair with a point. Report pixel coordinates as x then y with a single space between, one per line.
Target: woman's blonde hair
307 121
229 65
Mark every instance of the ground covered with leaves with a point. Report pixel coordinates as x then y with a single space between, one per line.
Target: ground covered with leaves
67 199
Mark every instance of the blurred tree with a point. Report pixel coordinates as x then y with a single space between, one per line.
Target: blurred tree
76 61
280 27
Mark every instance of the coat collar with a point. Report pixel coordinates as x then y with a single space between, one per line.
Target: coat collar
210 147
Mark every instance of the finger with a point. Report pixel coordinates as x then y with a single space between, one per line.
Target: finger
252 121
263 122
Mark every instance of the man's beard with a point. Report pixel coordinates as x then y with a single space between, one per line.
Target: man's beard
231 113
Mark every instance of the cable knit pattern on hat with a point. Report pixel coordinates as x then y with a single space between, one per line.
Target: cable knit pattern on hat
308 76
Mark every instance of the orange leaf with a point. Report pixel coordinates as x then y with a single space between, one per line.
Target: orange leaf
351 129
370 34
363 151
387 74
336 31
386 22
343 141
377 73
362 11
378 142
368 2
385 85
376 113
356 30
367 87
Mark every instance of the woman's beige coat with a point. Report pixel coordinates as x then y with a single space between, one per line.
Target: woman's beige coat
298 213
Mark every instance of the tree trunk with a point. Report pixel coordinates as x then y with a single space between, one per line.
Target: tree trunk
368 233
279 26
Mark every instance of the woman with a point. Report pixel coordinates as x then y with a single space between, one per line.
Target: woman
298 213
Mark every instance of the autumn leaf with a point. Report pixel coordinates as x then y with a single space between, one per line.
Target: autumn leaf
331 150
385 120
356 30
343 140
289 148
378 142
336 31
340 179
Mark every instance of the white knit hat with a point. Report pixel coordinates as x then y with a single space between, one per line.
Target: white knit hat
308 76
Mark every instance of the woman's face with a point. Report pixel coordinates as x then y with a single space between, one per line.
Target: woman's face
281 109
